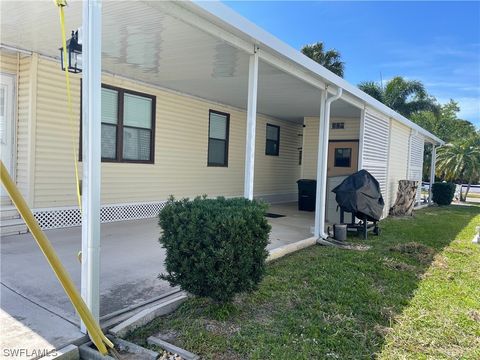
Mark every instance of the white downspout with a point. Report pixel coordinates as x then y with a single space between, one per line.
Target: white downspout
322 163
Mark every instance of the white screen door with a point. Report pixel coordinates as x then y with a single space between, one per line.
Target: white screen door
7 122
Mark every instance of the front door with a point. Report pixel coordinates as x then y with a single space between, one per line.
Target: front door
342 157
7 122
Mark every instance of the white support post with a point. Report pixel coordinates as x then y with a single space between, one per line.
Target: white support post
323 131
251 125
322 162
91 119
433 162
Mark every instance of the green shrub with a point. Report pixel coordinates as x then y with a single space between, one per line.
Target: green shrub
442 193
216 248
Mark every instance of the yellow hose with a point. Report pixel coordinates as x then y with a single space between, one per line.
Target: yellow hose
94 330
61 4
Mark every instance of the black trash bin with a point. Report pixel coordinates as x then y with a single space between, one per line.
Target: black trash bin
307 190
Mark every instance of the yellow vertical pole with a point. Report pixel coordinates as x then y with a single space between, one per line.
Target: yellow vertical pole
94 330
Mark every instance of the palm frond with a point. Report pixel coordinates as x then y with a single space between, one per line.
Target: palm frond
373 89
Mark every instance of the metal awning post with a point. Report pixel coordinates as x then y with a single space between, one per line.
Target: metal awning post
322 161
251 125
433 162
322 131
91 120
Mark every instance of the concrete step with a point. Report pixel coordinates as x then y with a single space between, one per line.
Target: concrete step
12 227
5 200
8 212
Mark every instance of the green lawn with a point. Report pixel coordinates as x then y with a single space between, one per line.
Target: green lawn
415 294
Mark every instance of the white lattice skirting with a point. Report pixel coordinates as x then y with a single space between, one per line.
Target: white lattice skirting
54 218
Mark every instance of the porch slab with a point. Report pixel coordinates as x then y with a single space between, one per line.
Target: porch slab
294 226
131 257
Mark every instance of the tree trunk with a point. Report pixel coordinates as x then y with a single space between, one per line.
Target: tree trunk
468 189
405 202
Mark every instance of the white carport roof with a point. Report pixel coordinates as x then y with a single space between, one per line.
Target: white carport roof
197 48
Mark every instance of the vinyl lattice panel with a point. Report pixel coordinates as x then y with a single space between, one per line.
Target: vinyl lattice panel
67 217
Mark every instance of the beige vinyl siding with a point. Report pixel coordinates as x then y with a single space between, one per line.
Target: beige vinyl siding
54 172
8 62
310 141
310 148
181 147
350 132
398 159
277 174
25 127
19 65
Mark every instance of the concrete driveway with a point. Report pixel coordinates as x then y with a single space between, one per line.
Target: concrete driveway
35 312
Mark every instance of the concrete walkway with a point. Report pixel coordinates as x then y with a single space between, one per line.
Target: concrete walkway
131 256
26 326
34 308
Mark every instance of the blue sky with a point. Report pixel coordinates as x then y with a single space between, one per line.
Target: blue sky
435 42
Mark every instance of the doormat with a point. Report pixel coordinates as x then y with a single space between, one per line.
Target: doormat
274 216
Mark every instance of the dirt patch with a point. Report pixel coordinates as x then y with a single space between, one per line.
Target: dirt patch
168 335
380 288
382 330
221 327
338 318
474 315
440 261
228 355
398 265
388 312
422 253
125 355
357 247
463 252
263 316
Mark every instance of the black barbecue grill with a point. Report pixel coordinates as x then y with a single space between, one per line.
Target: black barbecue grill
360 195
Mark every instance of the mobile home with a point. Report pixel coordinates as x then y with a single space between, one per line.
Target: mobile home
195 100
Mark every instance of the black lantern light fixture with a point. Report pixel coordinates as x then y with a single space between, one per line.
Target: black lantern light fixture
74 55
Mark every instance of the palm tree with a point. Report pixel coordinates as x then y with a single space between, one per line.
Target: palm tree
460 161
330 59
404 96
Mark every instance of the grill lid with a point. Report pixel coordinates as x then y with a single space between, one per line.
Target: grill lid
360 194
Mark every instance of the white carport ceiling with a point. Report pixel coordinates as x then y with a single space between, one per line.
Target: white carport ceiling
141 41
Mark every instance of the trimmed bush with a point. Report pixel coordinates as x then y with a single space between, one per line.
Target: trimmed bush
216 248
442 193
